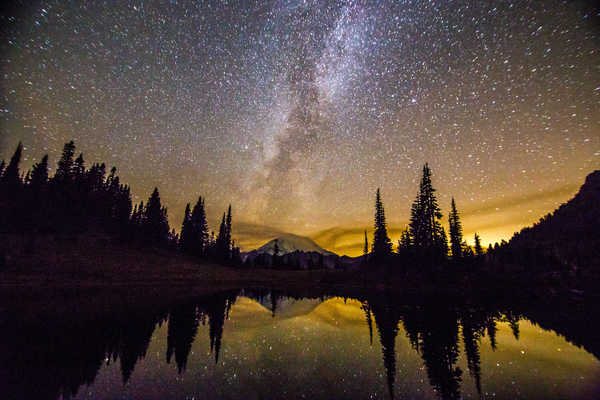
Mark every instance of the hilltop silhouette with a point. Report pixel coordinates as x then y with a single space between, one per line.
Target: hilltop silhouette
566 240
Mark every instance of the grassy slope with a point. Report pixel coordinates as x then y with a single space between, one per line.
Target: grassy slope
93 261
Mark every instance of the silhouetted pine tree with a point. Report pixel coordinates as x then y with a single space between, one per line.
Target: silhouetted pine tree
121 211
404 242
456 238
228 229
478 248
426 231
11 194
236 254
382 246
66 207
137 221
155 224
35 197
80 193
185 243
365 258
79 166
11 181
441 242
221 244
199 228
65 164
39 175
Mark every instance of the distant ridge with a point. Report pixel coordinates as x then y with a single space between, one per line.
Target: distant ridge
289 243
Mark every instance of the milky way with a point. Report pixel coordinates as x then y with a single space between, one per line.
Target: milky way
296 111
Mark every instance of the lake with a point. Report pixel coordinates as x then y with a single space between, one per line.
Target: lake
264 344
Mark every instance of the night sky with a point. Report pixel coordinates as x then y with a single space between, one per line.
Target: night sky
296 111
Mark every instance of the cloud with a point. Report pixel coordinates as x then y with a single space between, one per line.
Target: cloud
249 235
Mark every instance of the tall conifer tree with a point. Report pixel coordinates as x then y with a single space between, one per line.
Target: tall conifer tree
79 167
11 193
186 230
426 231
404 242
478 248
39 174
221 242
200 228
228 229
11 181
64 172
156 225
382 246
456 237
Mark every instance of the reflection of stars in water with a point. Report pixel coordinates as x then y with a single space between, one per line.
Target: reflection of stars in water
296 111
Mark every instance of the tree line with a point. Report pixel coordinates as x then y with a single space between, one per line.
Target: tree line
425 239
79 199
559 250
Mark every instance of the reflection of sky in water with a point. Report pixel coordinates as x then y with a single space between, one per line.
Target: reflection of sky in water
312 350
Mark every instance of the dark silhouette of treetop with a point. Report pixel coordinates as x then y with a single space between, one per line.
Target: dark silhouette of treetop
156 225
194 230
478 248
65 168
39 174
456 237
426 231
382 246
11 180
200 228
185 241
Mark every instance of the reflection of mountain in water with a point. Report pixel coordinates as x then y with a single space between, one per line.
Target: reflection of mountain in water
284 306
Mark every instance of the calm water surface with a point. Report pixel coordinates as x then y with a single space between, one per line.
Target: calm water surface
259 345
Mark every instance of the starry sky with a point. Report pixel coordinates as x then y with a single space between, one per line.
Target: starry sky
296 111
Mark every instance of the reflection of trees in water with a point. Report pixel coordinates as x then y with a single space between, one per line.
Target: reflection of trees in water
49 358
217 309
474 324
369 318
134 338
52 358
432 329
433 332
183 325
185 319
386 318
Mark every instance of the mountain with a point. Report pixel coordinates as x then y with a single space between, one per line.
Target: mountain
570 235
289 243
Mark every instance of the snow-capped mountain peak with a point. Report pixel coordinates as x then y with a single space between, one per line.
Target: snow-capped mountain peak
288 243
